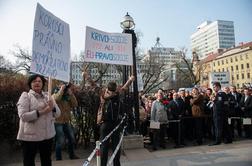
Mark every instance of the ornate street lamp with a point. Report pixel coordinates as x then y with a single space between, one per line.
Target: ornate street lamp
128 26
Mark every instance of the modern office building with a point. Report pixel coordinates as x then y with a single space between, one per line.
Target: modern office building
212 36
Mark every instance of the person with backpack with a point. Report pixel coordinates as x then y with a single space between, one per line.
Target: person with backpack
111 117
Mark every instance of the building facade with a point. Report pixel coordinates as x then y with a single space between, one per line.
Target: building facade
111 74
162 60
76 72
211 36
237 61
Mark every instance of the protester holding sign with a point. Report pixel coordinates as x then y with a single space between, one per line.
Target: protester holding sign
111 118
109 115
36 125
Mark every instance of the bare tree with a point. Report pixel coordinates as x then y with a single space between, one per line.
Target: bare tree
153 72
5 65
102 69
191 69
24 59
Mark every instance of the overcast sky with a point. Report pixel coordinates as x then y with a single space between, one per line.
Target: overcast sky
173 21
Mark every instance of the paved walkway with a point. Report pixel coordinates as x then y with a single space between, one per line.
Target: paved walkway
239 153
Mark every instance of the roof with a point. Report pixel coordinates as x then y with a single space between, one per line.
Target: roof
213 56
210 57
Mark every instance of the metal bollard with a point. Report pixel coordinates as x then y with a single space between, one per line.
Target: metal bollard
98 153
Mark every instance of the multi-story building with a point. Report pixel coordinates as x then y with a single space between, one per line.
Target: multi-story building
211 36
111 74
161 58
237 61
76 72
207 68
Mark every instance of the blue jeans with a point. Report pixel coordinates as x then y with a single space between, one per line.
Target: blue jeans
64 130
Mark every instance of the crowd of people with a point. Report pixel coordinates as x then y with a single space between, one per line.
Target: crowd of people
214 114
181 115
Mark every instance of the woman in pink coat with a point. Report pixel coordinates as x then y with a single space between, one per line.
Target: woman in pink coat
36 125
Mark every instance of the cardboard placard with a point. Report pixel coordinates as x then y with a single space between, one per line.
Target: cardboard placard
154 125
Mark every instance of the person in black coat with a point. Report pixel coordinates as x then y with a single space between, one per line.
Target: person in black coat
237 111
220 107
176 110
187 122
246 107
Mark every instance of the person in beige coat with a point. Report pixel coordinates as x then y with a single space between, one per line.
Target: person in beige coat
197 103
66 101
36 125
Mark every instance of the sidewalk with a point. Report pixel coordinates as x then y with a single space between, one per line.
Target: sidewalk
239 150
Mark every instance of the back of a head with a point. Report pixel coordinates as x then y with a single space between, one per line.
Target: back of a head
112 86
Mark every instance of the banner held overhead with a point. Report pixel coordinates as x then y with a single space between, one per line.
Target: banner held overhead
111 48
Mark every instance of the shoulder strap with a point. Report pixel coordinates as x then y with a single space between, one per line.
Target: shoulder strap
29 96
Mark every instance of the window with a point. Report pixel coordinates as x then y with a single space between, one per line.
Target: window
223 70
241 57
232 77
237 76
214 64
242 75
247 65
219 70
236 59
242 67
231 60
222 62
237 68
226 61
232 68
218 63
248 75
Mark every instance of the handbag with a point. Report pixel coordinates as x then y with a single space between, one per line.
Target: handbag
154 125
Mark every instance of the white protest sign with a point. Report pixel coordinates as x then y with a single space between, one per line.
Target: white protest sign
111 48
222 77
50 46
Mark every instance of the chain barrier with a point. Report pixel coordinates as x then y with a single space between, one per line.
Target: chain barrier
117 148
107 137
98 144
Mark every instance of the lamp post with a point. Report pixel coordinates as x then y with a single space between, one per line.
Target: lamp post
128 25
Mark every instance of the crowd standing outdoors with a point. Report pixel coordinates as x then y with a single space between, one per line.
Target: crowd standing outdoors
198 115
182 116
